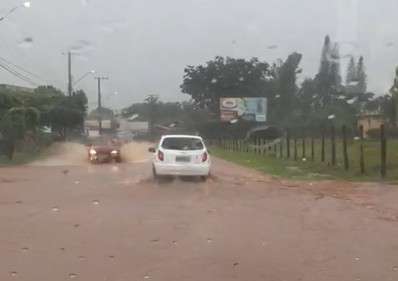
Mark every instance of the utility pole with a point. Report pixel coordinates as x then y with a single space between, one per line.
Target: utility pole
99 111
70 89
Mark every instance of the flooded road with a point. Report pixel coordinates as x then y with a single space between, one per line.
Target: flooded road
114 222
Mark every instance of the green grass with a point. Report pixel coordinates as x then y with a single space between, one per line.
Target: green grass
309 170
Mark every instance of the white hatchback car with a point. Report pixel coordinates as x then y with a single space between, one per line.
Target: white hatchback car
181 155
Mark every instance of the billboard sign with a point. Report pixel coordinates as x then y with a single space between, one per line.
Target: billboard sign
249 109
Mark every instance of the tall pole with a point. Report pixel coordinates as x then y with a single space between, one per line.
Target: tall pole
99 111
70 89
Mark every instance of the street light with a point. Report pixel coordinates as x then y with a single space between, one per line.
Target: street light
84 76
26 4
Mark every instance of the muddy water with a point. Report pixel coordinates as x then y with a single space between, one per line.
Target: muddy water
75 154
136 152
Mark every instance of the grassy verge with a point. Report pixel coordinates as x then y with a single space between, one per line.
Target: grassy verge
309 170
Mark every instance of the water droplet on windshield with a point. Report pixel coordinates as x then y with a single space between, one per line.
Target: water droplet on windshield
55 209
96 202
77 182
26 43
241 79
214 81
85 2
13 273
24 249
357 259
272 47
147 277
395 268
209 240
72 275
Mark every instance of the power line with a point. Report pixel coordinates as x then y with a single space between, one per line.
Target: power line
6 61
18 75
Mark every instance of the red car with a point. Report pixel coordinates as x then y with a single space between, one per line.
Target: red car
104 153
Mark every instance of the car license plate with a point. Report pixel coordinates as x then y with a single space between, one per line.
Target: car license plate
183 159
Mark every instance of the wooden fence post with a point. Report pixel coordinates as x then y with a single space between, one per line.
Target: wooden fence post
312 149
323 146
333 139
345 152
295 149
361 151
304 153
287 144
281 149
383 142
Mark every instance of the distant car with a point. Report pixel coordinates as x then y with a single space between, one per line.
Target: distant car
181 155
104 153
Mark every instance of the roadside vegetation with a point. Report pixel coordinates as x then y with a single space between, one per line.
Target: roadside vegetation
31 120
307 169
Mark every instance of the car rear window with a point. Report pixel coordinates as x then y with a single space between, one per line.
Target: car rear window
182 144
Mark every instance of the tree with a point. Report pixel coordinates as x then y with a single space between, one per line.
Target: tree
226 77
361 76
68 113
15 124
394 100
328 78
152 102
283 102
351 72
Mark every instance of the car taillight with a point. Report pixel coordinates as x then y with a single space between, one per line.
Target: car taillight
160 155
204 157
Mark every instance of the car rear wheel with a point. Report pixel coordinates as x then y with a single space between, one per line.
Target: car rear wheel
204 178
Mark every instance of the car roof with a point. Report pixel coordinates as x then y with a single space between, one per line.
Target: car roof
181 136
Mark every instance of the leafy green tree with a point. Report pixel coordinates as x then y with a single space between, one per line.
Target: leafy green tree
15 124
283 103
226 77
68 113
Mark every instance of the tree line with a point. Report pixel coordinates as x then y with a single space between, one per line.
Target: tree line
24 114
310 104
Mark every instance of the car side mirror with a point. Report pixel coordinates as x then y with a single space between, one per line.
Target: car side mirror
152 149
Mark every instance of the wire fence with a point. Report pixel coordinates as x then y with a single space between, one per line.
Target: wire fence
331 147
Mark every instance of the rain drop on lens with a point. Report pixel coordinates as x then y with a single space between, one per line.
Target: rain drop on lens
72 275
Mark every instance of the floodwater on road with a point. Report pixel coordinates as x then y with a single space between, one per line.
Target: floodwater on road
114 222
76 154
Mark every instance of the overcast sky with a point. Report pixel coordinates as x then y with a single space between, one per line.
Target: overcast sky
143 46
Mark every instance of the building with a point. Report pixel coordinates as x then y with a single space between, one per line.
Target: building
370 121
